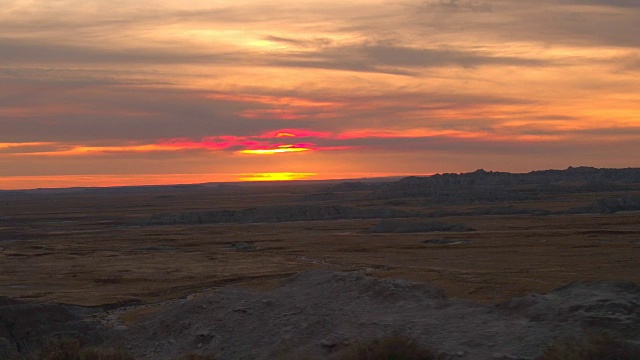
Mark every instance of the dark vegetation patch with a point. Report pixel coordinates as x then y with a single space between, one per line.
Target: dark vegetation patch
447 241
243 246
399 226
71 349
608 206
390 348
595 347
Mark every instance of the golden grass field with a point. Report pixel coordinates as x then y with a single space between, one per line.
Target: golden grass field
83 247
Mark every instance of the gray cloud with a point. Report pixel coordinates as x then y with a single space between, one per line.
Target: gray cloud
85 106
33 52
89 111
458 5
611 3
404 56
399 60
289 41
545 21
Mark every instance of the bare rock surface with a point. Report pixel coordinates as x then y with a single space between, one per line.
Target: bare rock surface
315 314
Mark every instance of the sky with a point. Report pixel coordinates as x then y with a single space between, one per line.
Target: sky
103 93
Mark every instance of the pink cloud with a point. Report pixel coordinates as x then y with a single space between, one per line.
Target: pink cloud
295 133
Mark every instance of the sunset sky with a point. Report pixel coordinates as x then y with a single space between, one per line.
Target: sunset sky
98 93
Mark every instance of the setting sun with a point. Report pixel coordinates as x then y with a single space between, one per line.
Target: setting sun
276 176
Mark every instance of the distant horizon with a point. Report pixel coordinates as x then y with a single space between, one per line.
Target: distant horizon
109 181
135 180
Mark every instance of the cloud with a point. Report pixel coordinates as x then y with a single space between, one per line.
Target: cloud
288 41
397 60
458 5
35 52
610 3
85 111
566 22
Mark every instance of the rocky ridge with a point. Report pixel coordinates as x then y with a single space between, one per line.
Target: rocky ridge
316 314
483 186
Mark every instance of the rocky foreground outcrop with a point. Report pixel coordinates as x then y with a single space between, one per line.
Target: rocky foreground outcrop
316 314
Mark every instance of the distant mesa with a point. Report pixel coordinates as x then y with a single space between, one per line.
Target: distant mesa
483 186
497 189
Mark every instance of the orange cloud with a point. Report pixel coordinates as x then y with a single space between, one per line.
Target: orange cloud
261 144
279 149
9 145
92 150
285 134
453 134
272 100
273 114
283 108
295 133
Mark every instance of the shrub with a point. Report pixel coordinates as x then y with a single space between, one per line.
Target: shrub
390 348
70 349
596 347
194 356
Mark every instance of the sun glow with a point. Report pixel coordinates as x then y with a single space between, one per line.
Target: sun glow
277 150
285 134
276 176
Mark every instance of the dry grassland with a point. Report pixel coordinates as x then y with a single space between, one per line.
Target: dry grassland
85 247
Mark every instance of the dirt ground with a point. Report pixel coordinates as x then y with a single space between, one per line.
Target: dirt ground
87 247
